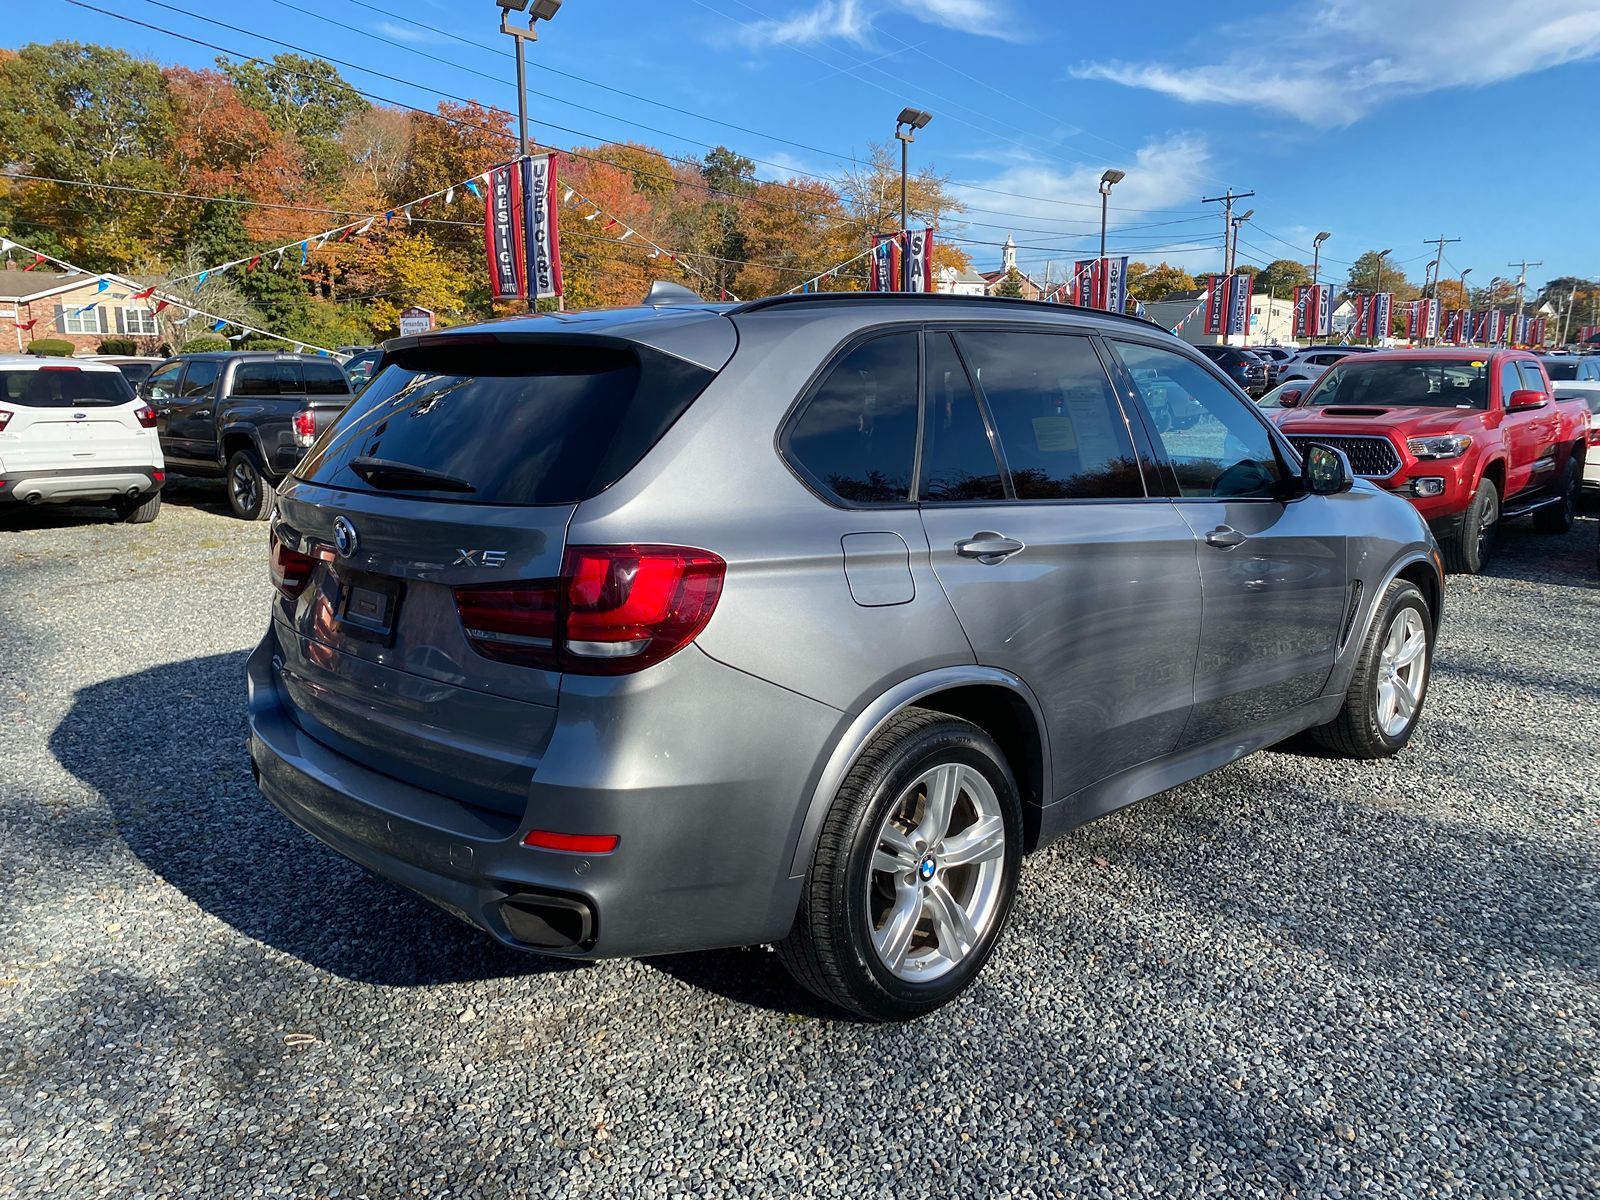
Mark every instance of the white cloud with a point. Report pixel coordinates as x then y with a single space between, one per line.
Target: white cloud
1332 62
852 20
1164 174
407 33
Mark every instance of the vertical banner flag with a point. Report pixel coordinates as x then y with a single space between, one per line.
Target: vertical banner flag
1239 304
1084 276
1382 307
540 227
502 229
1430 319
1497 326
920 247
1323 326
1302 312
1216 301
1364 323
1114 283
885 273
1413 318
1587 332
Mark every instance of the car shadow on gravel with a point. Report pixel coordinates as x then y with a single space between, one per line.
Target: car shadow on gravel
165 748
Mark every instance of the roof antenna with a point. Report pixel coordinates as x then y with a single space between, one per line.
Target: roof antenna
663 292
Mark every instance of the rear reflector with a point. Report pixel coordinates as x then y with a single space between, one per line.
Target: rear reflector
290 570
146 417
158 476
575 843
614 610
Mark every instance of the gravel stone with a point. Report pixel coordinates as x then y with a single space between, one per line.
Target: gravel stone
1297 977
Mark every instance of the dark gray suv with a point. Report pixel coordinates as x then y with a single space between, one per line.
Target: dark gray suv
801 621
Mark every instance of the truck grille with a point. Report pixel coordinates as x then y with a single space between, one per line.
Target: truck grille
1372 457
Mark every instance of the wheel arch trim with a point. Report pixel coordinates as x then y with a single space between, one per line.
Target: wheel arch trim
870 720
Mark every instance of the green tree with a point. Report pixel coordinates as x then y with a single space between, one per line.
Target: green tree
304 97
1368 271
98 118
723 216
1011 285
1282 276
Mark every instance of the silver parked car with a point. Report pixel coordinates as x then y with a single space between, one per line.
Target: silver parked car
802 620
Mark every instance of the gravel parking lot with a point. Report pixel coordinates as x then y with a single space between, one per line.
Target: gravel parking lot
1298 977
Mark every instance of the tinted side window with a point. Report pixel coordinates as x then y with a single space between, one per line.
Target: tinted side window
324 379
1532 377
1060 427
1217 446
163 384
197 380
267 379
958 462
1510 381
857 434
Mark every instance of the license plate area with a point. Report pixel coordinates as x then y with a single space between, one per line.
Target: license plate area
367 606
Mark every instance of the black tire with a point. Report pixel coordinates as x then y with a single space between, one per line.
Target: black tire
1560 516
140 512
1467 550
1358 731
250 493
830 950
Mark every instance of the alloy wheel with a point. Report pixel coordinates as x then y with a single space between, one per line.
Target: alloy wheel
1402 672
246 485
1487 526
934 886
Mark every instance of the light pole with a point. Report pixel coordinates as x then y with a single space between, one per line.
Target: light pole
1316 263
543 10
905 128
1377 291
1108 180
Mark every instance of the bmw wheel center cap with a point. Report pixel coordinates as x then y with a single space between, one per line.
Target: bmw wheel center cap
927 868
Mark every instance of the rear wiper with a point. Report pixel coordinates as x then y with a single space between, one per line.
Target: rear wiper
382 472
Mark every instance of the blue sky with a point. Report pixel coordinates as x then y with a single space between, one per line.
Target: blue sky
1383 121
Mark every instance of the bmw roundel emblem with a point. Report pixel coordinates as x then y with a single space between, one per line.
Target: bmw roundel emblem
345 538
927 869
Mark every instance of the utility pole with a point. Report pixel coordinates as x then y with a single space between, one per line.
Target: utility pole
1566 317
1522 283
1431 290
1226 200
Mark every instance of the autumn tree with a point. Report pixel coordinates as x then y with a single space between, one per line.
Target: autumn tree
794 230
304 97
870 190
1368 271
1155 283
99 119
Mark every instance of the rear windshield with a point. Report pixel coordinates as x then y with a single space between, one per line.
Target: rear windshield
1557 369
1406 382
64 387
531 423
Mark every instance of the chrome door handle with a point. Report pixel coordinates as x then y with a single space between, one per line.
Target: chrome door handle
989 548
202 412
1224 537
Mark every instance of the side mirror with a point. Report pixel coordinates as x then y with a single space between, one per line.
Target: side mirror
1291 398
1526 398
1326 471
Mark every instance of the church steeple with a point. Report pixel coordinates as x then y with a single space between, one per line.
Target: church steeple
1008 254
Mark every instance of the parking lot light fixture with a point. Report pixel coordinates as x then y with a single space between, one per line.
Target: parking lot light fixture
543 10
1376 292
905 129
1108 180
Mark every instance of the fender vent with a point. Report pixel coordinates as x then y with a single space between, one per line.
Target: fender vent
1350 616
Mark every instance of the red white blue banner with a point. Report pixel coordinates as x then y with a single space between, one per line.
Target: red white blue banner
1313 310
1216 304
541 228
1239 304
1430 319
503 233
883 274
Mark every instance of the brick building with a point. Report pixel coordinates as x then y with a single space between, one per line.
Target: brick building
72 307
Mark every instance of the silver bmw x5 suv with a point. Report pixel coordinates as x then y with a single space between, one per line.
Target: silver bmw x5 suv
801 621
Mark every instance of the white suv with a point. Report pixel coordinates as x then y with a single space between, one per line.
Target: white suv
75 433
1309 362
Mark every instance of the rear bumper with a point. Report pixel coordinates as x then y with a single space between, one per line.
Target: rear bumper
707 828
79 484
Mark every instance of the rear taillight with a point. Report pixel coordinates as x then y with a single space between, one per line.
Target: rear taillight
146 417
5 419
290 570
305 426
613 611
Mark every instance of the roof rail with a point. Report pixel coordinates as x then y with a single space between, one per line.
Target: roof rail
929 298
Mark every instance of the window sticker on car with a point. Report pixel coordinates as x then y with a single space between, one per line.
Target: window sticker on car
1054 434
1478 365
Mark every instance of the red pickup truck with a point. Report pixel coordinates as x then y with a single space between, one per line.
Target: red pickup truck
1471 437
